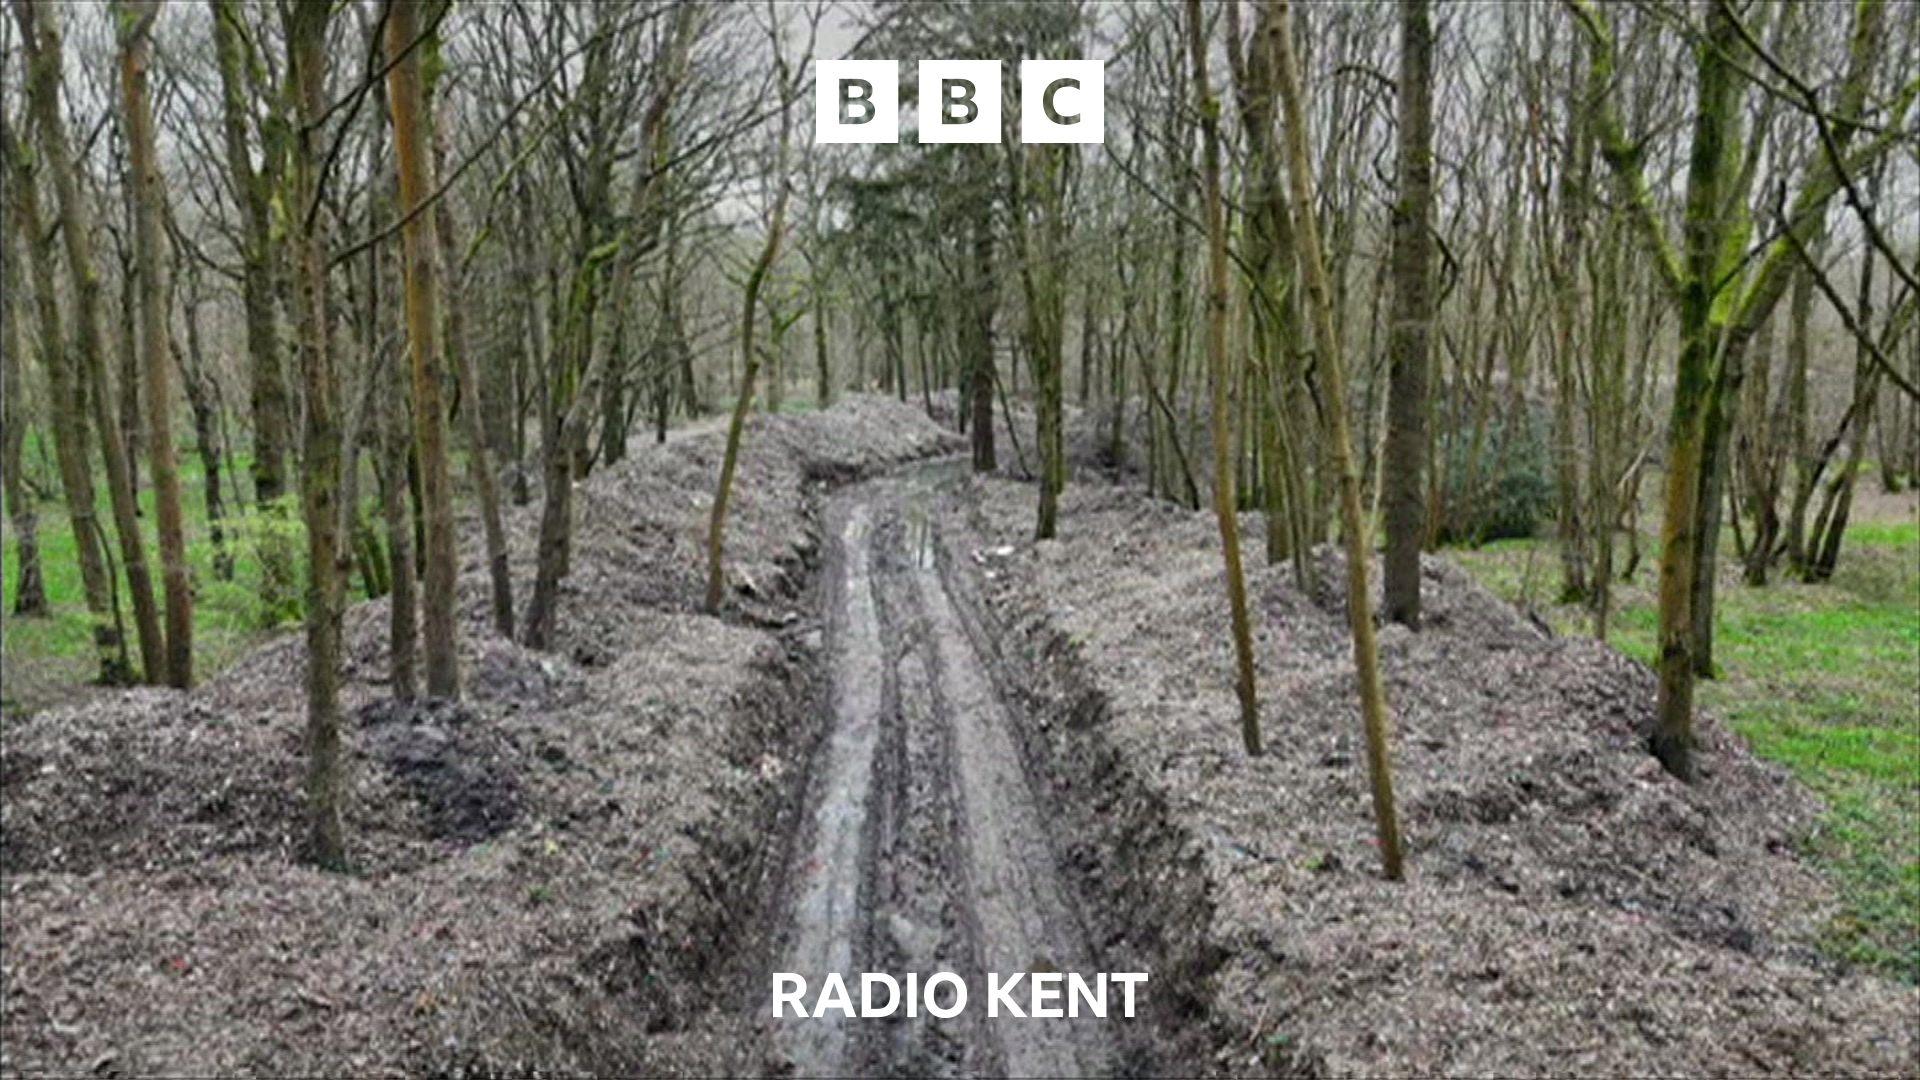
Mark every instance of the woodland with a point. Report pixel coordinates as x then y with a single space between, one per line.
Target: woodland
1418 529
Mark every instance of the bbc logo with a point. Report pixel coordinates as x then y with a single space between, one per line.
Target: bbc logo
1061 101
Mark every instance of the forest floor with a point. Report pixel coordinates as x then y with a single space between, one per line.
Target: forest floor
921 740
1823 678
1569 908
564 874
50 661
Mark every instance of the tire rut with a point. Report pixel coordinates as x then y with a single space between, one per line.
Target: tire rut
924 849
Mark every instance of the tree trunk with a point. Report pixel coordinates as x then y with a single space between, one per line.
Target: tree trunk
406 95
260 268
394 574
822 369
270 402
1831 524
1037 176
1825 550
306 36
69 417
30 590
402 632
1566 247
203 401
40 37
474 405
1404 479
985 293
1765 459
1715 465
136 19
1366 657
1806 471
717 523
1272 299
1224 504
128 383
1714 119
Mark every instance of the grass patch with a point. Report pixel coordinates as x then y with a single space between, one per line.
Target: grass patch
47 660
1824 679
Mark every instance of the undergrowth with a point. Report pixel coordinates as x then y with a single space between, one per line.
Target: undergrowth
47 659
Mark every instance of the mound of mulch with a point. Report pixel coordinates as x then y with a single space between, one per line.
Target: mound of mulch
1569 908
648 515
1087 439
559 874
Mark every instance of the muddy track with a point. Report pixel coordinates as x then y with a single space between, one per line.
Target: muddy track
922 847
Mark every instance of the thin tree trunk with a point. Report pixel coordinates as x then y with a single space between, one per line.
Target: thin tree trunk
395 574
561 429
822 369
270 402
1806 472
1766 448
406 95
136 19
306 36
203 400
40 36
128 383
1404 478
30 590
980 364
776 228
1366 657
260 264
402 632
64 387
1224 504
1831 525
473 407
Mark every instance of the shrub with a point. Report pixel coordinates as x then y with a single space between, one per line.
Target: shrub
1507 495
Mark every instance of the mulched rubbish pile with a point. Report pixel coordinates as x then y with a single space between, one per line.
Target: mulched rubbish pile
1569 909
559 874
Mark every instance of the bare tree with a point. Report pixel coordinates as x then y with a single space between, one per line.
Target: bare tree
254 186
1722 304
136 19
305 27
789 83
30 589
412 150
1404 468
1366 655
41 39
1220 375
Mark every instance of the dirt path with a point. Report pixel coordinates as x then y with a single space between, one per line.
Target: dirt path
924 848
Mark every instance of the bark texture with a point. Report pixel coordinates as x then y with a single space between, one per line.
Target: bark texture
1404 498
41 39
1333 377
136 19
320 472
406 94
29 593
1220 375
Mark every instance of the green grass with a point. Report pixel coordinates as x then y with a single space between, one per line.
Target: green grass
1824 679
47 659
